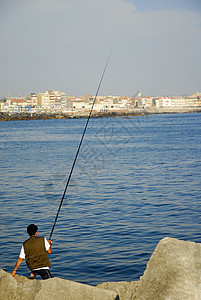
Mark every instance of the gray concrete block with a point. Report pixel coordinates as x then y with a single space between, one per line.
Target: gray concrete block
172 273
21 288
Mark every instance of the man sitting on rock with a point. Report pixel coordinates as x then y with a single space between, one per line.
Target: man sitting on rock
35 250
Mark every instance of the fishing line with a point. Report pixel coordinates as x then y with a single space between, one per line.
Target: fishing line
78 150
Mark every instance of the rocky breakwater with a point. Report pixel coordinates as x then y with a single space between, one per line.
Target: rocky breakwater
58 115
172 273
21 288
17 116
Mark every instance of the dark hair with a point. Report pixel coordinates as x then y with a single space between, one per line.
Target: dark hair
31 229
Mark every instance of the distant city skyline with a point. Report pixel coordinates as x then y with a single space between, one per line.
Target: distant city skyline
138 93
63 45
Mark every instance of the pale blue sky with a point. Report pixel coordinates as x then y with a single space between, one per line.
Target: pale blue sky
145 5
64 44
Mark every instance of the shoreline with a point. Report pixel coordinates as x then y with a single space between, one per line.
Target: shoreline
10 116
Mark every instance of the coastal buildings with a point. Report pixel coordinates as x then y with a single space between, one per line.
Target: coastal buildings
58 101
53 99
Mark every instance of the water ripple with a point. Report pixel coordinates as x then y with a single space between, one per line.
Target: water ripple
128 190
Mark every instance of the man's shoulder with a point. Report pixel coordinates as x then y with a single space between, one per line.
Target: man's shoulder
35 238
26 241
40 240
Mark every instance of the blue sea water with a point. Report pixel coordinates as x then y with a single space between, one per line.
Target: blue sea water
136 181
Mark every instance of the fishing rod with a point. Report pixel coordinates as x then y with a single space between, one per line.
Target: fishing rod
78 150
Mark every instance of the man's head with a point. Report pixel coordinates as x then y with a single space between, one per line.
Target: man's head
32 229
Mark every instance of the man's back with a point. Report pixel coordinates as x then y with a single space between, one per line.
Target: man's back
35 253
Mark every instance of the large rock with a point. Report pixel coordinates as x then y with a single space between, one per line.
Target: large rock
22 288
172 273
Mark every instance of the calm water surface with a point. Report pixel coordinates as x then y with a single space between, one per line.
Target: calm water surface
136 181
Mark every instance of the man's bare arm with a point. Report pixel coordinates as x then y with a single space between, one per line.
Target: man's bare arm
18 263
49 251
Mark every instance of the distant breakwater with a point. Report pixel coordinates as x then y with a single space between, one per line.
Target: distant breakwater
10 116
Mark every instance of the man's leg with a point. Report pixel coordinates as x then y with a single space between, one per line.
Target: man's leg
44 273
